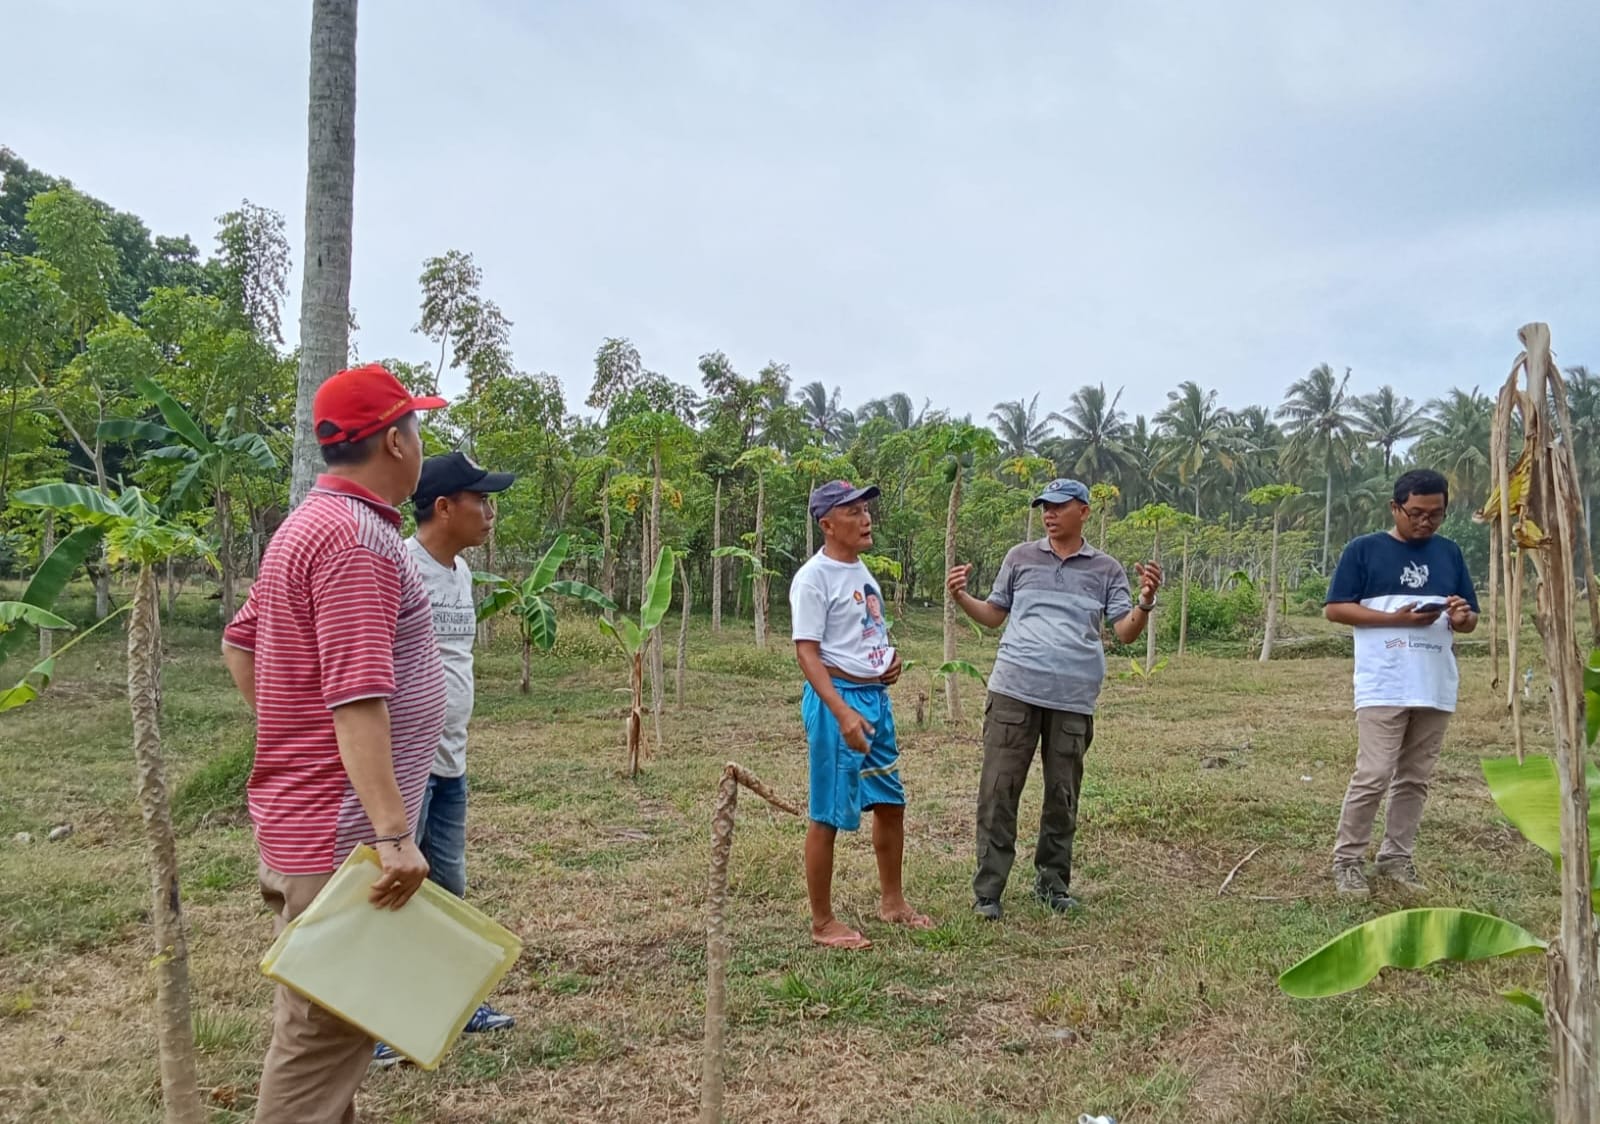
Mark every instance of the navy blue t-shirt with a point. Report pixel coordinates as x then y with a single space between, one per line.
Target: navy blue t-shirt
1403 666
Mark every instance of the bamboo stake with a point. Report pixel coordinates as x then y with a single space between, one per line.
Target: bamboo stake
717 943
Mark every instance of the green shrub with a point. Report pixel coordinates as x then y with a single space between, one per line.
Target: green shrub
1229 614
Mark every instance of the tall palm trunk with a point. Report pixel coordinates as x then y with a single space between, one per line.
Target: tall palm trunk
1150 625
1327 505
225 564
330 208
716 563
952 691
1183 600
658 686
1272 596
811 542
174 1027
758 582
683 632
608 558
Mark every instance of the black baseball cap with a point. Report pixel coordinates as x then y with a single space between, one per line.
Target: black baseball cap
836 493
456 472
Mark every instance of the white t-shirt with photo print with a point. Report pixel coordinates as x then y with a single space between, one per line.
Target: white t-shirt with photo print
839 605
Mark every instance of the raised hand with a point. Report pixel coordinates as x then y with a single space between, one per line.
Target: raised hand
956 580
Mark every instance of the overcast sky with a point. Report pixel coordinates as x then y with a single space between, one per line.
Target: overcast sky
971 202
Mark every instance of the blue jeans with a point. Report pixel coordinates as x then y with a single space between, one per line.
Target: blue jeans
442 832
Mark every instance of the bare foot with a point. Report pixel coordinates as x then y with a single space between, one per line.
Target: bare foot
903 914
836 934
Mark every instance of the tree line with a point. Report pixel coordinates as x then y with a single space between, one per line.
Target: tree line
95 310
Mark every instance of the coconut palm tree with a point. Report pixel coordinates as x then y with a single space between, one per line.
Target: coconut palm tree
1321 427
1018 426
1259 444
1197 437
1095 433
1583 404
823 414
1385 419
1456 443
330 210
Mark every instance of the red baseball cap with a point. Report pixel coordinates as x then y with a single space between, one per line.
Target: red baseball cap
361 401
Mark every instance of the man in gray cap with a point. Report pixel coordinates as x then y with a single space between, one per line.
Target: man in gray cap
841 640
1052 596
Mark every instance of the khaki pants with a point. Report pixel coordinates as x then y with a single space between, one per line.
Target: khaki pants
1399 747
316 1060
1012 730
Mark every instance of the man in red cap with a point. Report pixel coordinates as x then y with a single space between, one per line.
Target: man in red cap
334 650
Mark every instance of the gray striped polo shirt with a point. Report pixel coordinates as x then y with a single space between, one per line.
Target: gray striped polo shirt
1051 653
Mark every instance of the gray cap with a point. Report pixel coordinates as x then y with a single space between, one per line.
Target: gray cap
1060 490
826 497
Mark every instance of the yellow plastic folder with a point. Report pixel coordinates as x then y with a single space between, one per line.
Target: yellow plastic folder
410 977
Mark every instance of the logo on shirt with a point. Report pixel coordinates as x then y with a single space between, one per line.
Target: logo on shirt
1414 576
857 596
1397 642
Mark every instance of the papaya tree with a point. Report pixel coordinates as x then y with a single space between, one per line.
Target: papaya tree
680 557
1272 496
134 530
1027 470
763 461
754 571
1152 517
1102 497
633 637
530 602
210 464
952 449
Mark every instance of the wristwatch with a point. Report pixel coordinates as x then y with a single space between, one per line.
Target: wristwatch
1146 609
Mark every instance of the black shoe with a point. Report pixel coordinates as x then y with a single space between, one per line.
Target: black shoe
987 908
1058 900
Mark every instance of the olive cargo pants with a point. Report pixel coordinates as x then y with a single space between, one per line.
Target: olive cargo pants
1012 730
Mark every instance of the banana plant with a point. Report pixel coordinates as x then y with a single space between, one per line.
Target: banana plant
945 673
1529 796
529 601
634 636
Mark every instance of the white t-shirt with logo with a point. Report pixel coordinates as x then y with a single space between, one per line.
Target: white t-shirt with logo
1404 666
840 605
455 627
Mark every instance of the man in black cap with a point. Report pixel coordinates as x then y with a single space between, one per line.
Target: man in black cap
455 512
841 640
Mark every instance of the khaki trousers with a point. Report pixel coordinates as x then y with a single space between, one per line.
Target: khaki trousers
316 1061
1399 747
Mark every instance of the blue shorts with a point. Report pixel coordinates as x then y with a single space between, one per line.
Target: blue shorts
843 782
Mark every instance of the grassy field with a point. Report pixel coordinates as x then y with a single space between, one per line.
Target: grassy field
1156 1003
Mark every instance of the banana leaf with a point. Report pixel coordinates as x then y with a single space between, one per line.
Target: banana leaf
1410 938
50 580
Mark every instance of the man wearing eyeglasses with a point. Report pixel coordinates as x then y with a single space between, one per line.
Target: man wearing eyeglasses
1405 592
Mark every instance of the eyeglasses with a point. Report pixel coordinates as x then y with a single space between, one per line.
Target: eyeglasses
1416 516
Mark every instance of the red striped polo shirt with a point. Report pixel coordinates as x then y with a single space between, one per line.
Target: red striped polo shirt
338 614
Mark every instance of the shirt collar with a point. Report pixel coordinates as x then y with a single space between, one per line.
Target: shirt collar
332 485
1084 550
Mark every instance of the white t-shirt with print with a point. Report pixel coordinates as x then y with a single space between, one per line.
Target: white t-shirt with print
455 627
840 605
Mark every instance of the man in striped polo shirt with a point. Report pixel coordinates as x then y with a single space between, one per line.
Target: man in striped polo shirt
1053 596
334 650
